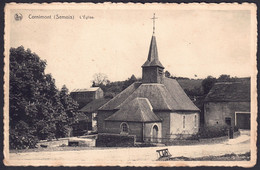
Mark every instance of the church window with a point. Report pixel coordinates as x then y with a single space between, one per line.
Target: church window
195 120
124 128
183 122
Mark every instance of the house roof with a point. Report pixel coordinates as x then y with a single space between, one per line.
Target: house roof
167 96
229 92
82 117
94 105
91 89
137 110
153 59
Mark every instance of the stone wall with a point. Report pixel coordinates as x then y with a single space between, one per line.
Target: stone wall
99 94
216 112
165 117
101 116
135 128
184 124
148 130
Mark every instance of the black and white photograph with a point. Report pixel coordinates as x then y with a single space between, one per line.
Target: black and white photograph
115 84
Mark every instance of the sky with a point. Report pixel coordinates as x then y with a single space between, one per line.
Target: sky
116 41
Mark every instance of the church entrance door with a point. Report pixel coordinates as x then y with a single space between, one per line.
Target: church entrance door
155 134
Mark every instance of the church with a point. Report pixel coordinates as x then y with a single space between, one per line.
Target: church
154 110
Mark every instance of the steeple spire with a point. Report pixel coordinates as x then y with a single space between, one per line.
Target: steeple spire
153 59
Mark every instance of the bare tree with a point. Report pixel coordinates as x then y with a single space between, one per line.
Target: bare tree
99 79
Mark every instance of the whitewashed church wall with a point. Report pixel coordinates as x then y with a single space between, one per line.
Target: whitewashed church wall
148 130
183 124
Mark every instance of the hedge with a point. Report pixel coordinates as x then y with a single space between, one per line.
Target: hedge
115 140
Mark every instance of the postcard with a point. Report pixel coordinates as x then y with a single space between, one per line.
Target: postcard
113 84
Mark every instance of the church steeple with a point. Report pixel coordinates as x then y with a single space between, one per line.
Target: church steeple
152 68
153 59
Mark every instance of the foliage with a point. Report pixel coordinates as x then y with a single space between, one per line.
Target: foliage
224 78
22 137
115 140
36 105
167 74
111 89
70 108
99 79
212 132
208 83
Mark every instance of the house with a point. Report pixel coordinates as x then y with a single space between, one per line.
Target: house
81 126
154 110
228 104
90 110
84 96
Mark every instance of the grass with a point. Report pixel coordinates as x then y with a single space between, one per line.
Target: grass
50 149
226 157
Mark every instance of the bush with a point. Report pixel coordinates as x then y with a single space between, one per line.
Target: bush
115 140
235 128
21 137
212 132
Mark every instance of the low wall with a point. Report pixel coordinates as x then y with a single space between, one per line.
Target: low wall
53 143
202 141
115 140
89 140
86 142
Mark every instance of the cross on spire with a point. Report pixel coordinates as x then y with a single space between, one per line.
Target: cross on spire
154 18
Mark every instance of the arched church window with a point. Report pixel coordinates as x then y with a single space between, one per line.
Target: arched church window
195 120
183 122
124 128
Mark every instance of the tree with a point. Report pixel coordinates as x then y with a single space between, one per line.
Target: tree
71 114
208 83
128 82
224 78
167 74
36 110
99 79
31 91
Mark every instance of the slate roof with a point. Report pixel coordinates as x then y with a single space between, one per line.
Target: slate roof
229 92
118 99
167 96
82 117
153 59
137 110
178 94
94 105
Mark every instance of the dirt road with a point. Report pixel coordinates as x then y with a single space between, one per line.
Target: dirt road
238 146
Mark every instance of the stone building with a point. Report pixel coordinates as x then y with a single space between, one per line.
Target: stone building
155 110
84 96
228 104
90 110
